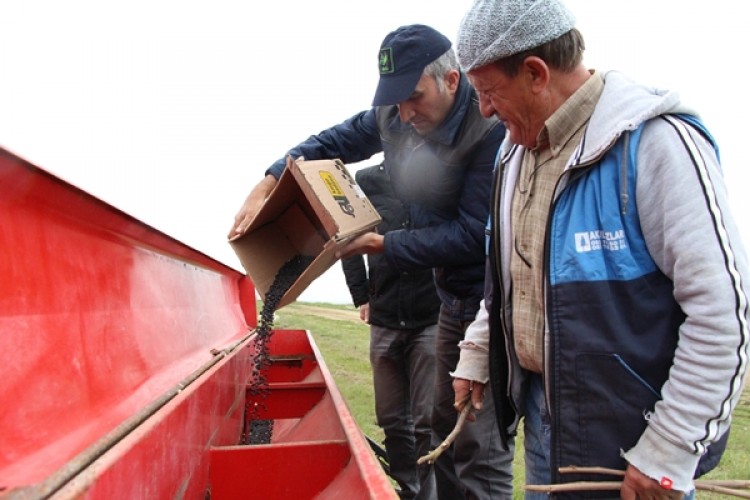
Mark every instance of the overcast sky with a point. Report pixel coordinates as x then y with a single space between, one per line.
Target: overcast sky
172 110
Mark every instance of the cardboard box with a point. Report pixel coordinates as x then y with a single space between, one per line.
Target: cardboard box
316 208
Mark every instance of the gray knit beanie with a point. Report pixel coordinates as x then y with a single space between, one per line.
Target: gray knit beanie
494 29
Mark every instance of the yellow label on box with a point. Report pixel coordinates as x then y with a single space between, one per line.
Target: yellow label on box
338 194
330 181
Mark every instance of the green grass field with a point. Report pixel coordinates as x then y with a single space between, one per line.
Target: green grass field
344 342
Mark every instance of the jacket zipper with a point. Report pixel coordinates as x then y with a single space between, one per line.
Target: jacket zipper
497 229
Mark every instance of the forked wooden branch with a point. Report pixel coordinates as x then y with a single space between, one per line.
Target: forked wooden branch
727 487
434 454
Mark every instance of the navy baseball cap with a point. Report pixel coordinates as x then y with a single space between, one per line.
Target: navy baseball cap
403 56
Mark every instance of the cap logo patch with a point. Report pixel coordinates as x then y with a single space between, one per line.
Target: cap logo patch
385 61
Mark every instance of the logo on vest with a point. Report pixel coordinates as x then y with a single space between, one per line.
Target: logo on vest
591 241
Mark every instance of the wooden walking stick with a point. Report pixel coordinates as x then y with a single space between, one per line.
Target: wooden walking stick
434 454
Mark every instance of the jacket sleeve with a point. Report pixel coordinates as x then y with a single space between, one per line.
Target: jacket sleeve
355 273
353 140
685 217
458 241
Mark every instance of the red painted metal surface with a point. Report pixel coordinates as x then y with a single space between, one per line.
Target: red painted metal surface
125 357
316 450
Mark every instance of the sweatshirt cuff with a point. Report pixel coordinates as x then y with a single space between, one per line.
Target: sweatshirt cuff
473 364
663 461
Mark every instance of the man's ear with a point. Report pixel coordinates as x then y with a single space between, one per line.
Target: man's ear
452 78
537 72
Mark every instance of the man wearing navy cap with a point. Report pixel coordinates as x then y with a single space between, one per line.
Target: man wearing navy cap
439 154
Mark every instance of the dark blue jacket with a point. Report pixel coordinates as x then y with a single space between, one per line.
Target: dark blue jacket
399 300
444 178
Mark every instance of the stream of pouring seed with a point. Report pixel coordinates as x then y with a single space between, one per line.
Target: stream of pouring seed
257 430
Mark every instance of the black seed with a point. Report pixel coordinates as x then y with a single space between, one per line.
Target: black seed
259 431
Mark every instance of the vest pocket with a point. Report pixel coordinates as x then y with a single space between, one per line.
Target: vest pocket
612 408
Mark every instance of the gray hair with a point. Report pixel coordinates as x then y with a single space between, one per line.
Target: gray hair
440 67
564 53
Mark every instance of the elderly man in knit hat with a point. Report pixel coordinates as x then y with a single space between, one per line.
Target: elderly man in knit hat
438 153
615 319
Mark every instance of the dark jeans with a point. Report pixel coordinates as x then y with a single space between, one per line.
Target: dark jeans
403 367
474 467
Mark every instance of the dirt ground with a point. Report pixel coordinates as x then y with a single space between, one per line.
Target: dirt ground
324 312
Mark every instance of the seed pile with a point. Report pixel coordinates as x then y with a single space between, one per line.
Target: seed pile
258 431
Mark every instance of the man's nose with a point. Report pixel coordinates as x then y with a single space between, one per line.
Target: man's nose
405 112
485 106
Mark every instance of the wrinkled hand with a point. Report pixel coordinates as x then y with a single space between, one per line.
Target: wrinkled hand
637 485
368 243
252 206
463 388
364 312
